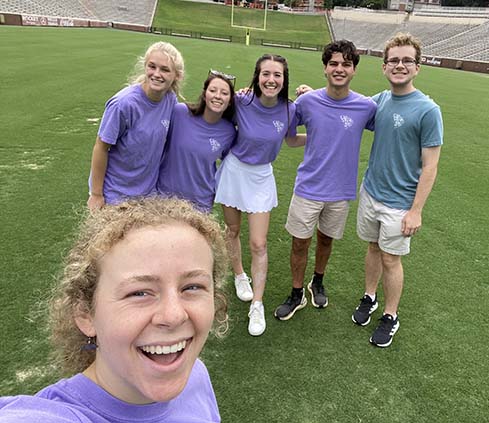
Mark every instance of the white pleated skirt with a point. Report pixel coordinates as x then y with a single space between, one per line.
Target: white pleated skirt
249 188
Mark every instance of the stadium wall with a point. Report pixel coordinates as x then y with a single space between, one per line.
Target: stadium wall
36 20
9 19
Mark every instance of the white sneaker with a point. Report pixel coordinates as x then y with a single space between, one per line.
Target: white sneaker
257 323
243 287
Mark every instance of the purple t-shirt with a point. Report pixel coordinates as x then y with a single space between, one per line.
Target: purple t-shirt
188 167
334 131
261 129
78 399
136 129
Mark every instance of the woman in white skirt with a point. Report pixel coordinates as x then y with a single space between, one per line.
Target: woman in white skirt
245 181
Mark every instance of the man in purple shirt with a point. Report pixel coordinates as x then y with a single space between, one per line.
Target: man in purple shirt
326 181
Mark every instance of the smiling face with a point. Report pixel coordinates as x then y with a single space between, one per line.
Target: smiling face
401 74
339 72
160 75
217 96
154 307
271 79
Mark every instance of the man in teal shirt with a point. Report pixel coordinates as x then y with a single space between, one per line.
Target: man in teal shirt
400 175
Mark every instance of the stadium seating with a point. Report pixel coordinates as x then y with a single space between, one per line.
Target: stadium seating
459 12
139 12
442 36
66 8
433 32
472 44
366 35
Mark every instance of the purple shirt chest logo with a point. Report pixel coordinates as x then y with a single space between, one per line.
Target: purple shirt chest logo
279 126
215 145
165 123
347 121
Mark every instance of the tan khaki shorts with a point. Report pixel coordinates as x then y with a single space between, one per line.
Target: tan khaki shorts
381 224
304 215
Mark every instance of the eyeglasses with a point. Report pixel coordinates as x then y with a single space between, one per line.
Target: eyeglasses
406 61
230 78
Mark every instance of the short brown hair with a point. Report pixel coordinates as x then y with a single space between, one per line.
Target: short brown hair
403 39
99 232
345 47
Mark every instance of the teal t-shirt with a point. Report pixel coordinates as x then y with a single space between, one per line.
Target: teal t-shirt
403 126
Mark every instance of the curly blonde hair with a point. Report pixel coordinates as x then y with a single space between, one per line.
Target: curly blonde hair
75 291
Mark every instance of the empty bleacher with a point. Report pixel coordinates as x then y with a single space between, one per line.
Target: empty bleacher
138 12
66 8
459 12
442 36
365 35
472 44
433 32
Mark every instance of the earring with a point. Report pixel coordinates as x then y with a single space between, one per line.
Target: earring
91 344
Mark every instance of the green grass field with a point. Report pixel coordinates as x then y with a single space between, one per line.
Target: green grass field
215 19
317 367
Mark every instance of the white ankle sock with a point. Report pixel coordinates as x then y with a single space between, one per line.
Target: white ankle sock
372 297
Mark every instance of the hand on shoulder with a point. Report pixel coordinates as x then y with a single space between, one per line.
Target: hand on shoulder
302 89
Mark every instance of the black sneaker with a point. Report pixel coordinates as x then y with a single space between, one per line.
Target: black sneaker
319 298
361 315
383 335
293 303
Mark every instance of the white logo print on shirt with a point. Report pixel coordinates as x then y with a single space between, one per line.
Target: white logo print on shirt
398 120
279 126
214 144
166 123
347 121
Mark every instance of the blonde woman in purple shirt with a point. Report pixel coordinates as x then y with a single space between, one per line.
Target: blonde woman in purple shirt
245 181
129 145
141 289
200 134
